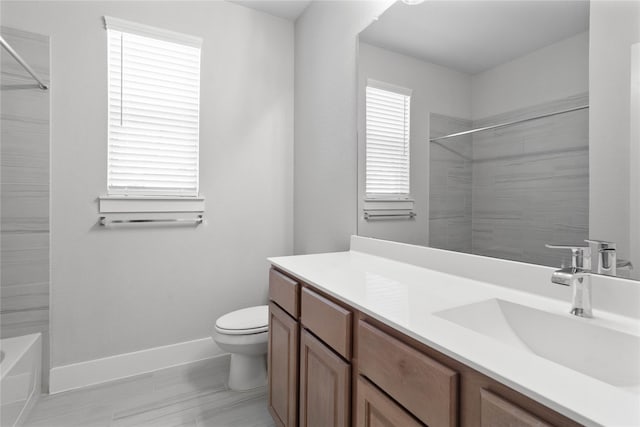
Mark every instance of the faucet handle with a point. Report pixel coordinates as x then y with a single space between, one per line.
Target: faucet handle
580 255
601 244
605 256
572 247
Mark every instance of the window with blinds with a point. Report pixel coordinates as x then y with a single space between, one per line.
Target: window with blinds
387 141
154 103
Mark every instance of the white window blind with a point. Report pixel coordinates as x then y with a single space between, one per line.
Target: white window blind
387 141
154 103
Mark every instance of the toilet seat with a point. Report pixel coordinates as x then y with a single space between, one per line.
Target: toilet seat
252 320
242 331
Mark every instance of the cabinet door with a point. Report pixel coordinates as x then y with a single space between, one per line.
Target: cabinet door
283 367
497 412
325 385
375 409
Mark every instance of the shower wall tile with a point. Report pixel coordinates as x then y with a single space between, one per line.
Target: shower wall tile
531 184
33 296
25 208
24 185
505 193
25 258
450 185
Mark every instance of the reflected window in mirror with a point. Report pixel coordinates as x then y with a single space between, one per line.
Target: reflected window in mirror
387 141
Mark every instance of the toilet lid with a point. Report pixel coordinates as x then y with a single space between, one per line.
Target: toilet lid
250 320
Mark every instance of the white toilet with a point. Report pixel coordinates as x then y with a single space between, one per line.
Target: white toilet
244 334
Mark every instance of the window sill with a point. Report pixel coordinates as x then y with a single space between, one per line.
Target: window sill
388 204
136 204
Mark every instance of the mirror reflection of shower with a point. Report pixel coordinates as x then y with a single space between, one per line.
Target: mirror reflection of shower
520 181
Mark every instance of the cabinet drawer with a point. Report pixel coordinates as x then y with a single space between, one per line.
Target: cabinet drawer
284 291
376 409
497 412
428 389
328 321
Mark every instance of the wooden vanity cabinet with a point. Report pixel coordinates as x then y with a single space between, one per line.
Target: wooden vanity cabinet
327 320
283 347
283 367
285 291
376 409
498 412
325 385
330 365
425 387
450 393
325 368
309 369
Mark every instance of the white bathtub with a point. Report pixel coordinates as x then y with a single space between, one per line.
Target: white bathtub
20 365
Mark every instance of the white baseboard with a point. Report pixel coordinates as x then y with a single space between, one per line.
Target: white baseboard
92 372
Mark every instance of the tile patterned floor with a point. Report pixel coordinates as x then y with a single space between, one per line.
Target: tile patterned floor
194 395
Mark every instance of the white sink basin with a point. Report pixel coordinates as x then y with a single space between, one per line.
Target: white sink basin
602 353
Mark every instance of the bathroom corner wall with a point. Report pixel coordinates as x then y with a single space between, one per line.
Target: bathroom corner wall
24 224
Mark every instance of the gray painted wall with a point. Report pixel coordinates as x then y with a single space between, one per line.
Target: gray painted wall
545 75
24 195
615 27
121 290
325 181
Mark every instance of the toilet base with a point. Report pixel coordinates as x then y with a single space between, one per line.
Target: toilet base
247 371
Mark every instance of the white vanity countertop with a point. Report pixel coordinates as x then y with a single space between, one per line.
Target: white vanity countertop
406 296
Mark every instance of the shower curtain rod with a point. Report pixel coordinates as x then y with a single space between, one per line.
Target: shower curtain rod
21 61
501 125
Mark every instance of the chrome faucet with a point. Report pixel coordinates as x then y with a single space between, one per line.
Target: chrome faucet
605 257
578 276
599 257
580 282
606 261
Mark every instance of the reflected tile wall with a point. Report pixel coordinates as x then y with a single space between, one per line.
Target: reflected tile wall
450 185
529 184
24 186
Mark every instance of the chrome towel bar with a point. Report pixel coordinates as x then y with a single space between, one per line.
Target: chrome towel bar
104 221
373 215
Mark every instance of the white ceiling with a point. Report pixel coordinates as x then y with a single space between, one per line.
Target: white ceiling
288 9
473 36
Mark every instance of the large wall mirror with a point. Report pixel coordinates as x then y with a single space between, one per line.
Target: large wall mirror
473 123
